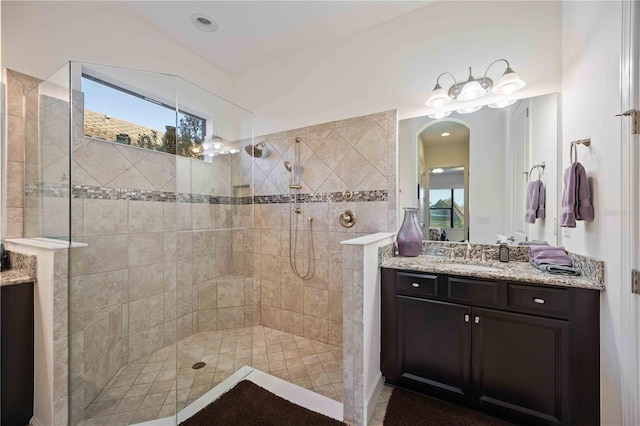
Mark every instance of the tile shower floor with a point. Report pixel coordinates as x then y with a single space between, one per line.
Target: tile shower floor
152 387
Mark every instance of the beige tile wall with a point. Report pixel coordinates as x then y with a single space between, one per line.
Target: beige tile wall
356 154
21 118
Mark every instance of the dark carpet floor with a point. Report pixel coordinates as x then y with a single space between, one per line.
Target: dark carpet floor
407 408
249 404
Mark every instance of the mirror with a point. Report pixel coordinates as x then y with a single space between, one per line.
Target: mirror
468 173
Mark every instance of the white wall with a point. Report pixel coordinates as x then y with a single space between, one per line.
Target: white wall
591 46
395 64
39 37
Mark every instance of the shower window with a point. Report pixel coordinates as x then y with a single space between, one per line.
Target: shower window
115 113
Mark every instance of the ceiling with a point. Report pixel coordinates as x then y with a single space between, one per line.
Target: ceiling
254 33
432 135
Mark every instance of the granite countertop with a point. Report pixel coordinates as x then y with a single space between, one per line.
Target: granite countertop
13 276
514 270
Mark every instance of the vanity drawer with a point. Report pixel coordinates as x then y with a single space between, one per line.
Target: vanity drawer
473 291
417 284
554 301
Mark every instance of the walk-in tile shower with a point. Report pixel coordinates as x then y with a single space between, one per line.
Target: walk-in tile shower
144 169
186 238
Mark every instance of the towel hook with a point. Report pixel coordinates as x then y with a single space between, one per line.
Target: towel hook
537 167
573 153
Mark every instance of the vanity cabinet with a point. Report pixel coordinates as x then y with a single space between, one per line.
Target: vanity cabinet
523 352
16 359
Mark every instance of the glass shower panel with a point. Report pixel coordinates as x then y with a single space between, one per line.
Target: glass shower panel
122 291
47 156
217 299
162 299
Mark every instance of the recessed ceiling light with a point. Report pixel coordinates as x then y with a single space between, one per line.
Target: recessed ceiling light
445 134
203 22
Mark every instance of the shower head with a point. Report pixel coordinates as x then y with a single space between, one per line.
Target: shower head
258 150
287 166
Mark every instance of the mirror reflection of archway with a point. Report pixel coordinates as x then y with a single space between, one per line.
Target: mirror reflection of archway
443 168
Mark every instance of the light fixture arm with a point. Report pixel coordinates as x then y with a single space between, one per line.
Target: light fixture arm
447 73
497 60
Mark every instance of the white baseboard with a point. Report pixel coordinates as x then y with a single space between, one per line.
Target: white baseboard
373 394
296 394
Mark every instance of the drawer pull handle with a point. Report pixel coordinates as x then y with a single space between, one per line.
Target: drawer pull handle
416 285
538 300
477 319
466 318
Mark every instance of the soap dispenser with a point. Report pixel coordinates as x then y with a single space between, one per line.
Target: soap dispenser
503 252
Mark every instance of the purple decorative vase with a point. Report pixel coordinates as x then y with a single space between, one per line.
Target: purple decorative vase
410 234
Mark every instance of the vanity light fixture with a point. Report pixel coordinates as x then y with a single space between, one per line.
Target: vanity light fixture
439 115
437 170
475 88
469 110
502 104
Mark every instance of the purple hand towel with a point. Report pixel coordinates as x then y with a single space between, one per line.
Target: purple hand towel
584 209
549 255
535 201
576 198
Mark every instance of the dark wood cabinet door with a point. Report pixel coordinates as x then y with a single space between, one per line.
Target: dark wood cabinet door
16 360
434 346
521 366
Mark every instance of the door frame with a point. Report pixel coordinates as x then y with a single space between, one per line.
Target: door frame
630 217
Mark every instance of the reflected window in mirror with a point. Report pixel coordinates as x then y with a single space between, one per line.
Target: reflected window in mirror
117 114
446 208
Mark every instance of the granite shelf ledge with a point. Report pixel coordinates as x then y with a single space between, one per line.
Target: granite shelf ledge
12 277
511 271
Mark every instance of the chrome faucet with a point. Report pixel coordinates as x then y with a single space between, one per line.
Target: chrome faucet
452 252
467 253
484 254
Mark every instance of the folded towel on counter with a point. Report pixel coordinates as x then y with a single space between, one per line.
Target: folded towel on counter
533 243
556 269
549 255
535 201
576 197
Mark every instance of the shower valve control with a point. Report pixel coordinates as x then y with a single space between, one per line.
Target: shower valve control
347 218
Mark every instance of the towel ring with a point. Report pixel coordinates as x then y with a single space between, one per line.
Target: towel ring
536 167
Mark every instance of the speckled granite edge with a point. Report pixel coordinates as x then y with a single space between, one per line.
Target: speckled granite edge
13 277
23 263
591 269
441 248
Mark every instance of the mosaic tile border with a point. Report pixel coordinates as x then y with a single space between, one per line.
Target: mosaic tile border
54 190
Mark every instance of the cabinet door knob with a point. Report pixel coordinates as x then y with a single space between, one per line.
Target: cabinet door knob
416 285
466 318
538 300
476 319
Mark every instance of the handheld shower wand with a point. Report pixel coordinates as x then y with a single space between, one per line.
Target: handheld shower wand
293 235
